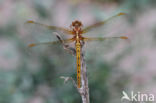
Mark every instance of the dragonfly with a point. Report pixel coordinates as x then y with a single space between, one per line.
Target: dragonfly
77 31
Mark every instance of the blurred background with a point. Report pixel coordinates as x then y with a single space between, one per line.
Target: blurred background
32 75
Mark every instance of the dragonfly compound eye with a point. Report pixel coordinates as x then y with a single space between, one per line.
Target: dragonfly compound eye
76 23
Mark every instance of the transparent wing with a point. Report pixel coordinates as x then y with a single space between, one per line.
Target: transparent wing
37 33
103 38
55 28
98 24
99 46
45 38
51 43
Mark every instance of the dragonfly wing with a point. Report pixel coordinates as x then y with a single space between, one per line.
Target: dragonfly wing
98 24
55 28
104 38
104 45
42 43
51 43
37 32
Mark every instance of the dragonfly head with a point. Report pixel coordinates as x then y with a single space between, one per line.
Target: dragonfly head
76 25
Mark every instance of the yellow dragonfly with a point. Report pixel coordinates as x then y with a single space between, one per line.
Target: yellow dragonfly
77 32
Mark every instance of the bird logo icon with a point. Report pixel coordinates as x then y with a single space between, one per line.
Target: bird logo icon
125 96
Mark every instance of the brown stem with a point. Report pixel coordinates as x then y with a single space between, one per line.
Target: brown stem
84 81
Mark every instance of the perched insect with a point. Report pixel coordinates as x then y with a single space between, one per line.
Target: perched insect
77 31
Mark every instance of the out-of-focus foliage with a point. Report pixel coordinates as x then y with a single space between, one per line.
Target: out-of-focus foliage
33 75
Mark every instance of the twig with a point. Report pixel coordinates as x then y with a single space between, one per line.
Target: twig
84 90
84 81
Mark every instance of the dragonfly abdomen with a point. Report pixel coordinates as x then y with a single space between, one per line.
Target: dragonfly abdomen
78 61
